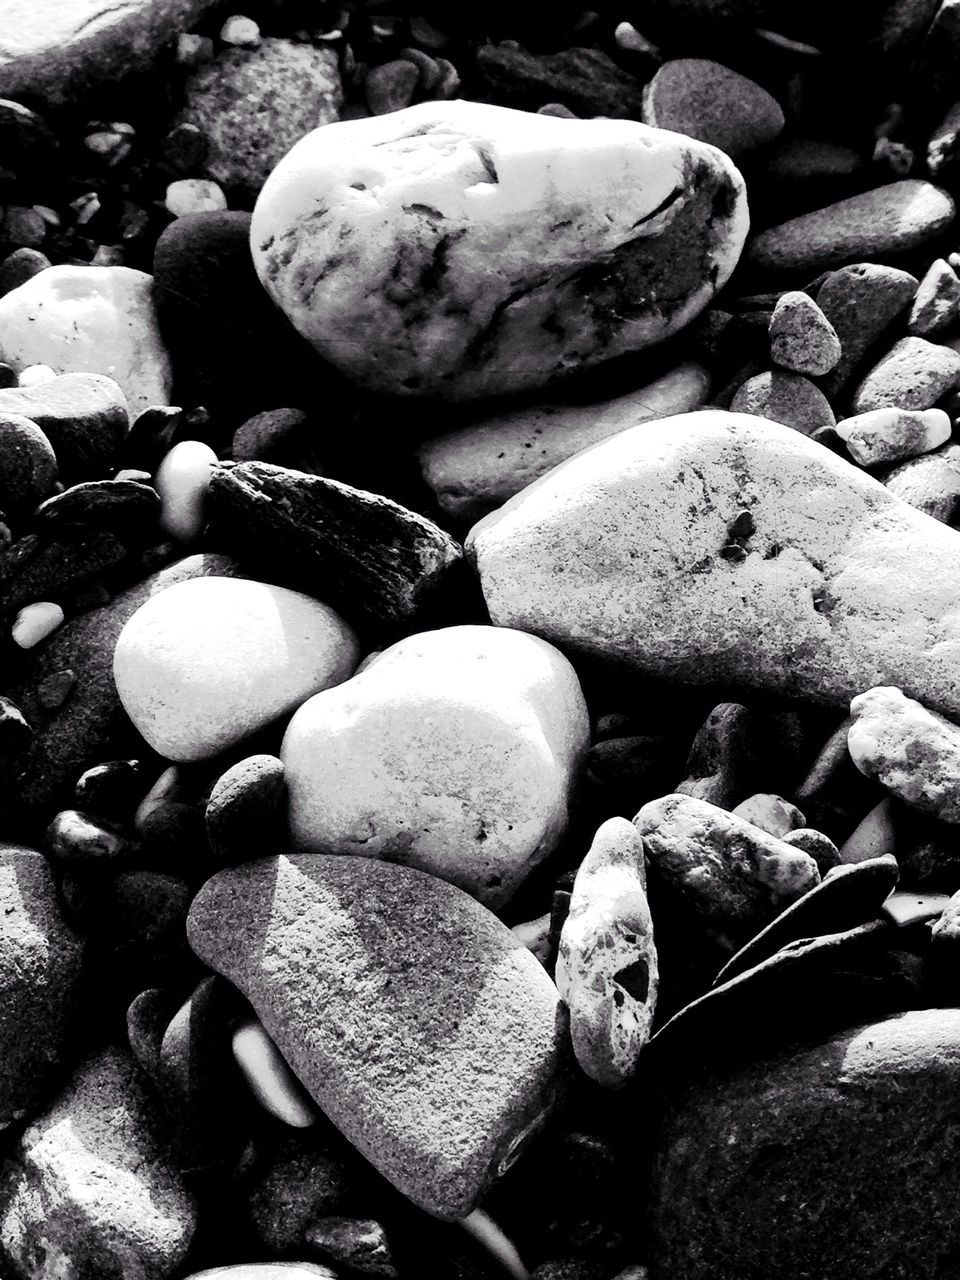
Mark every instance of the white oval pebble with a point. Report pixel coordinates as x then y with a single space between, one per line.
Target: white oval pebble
35 374
535 936
271 1081
194 195
486 1232
35 622
267 1271
182 480
240 31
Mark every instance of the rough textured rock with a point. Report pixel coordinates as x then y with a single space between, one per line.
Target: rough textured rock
586 81
56 51
708 101
914 374
607 965
303 1177
420 1025
245 816
887 221
83 415
890 435
937 302
621 552
253 105
90 1191
379 563
733 876
801 337
477 468
28 466
861 302
454 751
39 972
765 1173
914 753
788 398
931 483
89 320
209 662
375 237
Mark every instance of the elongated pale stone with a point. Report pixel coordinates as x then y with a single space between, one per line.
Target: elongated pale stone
721 548
476 469
459 250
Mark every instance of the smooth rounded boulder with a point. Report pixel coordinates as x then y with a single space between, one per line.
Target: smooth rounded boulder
418 1023
453 751
721 548
376 238
839 1160
206 663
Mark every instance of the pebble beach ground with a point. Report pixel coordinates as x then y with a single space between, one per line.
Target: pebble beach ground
480 629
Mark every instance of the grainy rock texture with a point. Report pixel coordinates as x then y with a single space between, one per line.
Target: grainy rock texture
861 302
838 1160
454 751
622 552
914 374
420 1025
376 237
83 415
90 1191
708 101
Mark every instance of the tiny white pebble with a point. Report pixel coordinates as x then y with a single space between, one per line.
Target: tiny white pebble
193 49
182 480
133 473
271 1081
628 37
35 622
194 195
109 255
486 1232
240 31
34 374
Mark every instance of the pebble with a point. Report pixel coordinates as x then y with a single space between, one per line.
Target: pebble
358 1244
478 799
240 31
428 69
937 302
74 836
194 195
382 565
947 928
509 169
440 1114
99 1154
125 507
148 1016
80 319
40 967
834 596
271 1081
891 435
535 936
35 622
708 101
28 465
913 752
906 909
267 1271
253 104
303 1176
721 762
475 469
873 837
930 482
844 1114
861 302
875 224
391 86
183 481
109 790
788 398
773 814
802 339
607 973
15 733
246 812
733 877
820 847
206 663
56 55
83 415
914 374
281 436
35 375
18 267
579 82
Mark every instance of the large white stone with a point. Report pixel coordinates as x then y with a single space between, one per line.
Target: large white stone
459 250
453 751
640 550
89 320
206 663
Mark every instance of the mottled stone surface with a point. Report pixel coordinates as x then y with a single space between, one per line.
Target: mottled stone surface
420 1025
376 237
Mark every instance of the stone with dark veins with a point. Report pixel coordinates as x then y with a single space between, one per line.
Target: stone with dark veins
458 250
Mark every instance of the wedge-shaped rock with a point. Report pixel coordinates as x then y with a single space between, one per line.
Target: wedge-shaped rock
454 751
419 1024
721 548
459 250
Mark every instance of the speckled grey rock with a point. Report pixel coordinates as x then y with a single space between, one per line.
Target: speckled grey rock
375 238
420 1025
876 224
734 876
39 974
861 302
785 397
89 1191
83 415
708 101
802 339
302 1178
253 105
627 552
914 374
28 466
890 435
245 815
931 483
838 1160
937 303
